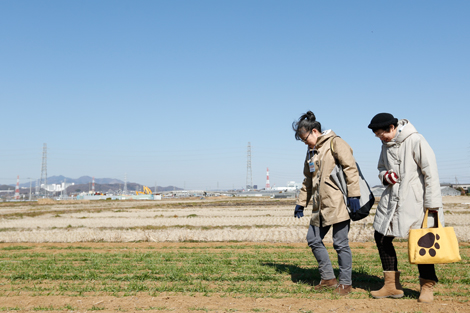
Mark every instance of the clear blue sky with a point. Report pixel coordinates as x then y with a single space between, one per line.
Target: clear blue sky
173 91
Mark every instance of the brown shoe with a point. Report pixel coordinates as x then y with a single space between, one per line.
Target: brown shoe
426 292
326 284
343 290
392 287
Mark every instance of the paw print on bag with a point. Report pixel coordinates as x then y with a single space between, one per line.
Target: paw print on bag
428 241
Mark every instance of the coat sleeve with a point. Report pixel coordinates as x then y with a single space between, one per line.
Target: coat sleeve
426 160
381 166
344 154
306 190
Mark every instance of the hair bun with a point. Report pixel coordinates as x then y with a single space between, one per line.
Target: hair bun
310 116
306 123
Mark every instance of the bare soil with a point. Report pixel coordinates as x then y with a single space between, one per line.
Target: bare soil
171 303
216 220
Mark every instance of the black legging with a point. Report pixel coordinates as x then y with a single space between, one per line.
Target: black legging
388 256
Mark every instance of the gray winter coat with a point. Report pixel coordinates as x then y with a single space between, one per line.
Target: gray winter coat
402 205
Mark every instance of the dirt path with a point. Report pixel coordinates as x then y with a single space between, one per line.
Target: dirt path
219 304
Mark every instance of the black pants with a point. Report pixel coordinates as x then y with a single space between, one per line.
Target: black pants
388 256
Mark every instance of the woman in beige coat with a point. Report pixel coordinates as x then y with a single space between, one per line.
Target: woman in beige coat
329 207
407 167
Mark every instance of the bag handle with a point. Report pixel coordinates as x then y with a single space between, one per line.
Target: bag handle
425 221
332 149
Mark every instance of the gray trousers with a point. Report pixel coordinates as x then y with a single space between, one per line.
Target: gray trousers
315 237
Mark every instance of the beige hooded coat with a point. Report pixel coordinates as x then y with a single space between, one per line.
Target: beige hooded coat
327 199
402 205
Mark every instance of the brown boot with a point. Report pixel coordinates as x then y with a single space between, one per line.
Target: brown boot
343 290
326 284
392 287
426 292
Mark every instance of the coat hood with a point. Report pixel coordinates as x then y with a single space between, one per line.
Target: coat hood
404 130
325 136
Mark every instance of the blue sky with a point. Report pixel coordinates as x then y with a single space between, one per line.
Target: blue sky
172 91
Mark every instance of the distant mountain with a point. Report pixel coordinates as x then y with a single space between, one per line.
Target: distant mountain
102 188
81 180
7 187
83 184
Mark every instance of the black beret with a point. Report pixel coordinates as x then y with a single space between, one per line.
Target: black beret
382 120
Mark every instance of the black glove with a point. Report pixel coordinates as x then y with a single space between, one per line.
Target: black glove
354 205
299 211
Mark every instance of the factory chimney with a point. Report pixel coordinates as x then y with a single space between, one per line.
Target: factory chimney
268 186
17 190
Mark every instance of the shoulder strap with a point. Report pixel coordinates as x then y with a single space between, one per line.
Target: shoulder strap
332 149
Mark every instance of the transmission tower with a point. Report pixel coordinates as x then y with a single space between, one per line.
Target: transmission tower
124 191
249 177
44 170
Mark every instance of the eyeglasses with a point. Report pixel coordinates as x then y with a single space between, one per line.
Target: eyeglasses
305 140
378 135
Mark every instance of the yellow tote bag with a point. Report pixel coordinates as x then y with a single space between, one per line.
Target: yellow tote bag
435 245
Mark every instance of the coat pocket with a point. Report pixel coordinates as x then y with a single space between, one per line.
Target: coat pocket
331 184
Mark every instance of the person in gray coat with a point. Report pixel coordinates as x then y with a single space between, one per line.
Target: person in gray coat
408 169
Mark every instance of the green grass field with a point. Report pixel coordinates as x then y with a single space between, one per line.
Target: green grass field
235 269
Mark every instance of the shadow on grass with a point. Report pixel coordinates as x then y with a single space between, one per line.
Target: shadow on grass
298 274
311 276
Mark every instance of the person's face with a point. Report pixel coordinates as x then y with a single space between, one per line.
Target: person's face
310 138
386 135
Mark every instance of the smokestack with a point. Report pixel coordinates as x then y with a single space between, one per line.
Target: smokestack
268 186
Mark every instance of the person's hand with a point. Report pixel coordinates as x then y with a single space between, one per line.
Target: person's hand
353 204
391 177
299 211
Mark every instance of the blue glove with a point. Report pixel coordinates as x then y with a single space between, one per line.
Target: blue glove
354 205
299 211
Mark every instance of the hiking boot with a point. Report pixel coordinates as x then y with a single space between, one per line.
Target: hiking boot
426 292
343 290
392 287
326 284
